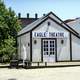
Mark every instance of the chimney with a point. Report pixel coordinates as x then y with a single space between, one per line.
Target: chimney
27 15
19 15
44 14
36 15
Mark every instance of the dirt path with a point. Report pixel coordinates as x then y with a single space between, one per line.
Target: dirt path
65 73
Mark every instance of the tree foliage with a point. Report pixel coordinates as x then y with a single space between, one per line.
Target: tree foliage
9 26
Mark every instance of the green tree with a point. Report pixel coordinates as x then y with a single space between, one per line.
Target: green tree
9 26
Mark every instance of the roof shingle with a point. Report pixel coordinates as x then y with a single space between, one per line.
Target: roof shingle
26 21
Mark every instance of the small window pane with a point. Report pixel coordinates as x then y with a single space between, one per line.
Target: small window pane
45 53
53 49
45 42
45 49
51 41
45 45
53 53
51 45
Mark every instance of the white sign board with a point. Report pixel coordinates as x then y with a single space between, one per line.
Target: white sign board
49 34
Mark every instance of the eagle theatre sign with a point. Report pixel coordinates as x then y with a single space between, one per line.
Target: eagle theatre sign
49 35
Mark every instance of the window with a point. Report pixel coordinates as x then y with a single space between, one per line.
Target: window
49 23
48 47
45 47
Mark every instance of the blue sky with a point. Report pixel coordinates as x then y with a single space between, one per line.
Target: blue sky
64 9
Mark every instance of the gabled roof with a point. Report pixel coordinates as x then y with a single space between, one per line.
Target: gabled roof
26 21
52 16
75 24
68 20
31 26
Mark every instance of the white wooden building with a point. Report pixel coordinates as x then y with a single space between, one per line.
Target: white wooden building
48 39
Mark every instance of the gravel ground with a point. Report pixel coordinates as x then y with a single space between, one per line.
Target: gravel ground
63 73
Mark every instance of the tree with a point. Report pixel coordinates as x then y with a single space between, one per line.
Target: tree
9 26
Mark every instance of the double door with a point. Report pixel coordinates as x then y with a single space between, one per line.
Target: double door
49 50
